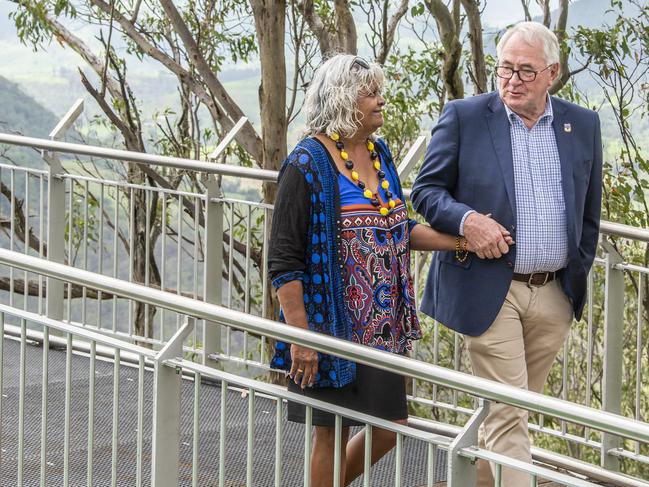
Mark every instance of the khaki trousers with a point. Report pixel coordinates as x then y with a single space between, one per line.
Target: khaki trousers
518 349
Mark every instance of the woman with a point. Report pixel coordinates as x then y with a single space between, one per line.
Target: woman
339 259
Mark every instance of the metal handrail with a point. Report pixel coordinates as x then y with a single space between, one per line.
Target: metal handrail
139 157
487 389
606 227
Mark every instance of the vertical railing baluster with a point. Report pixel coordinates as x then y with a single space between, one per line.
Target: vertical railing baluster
398 460
163 261
196 244
279 441
91 413
589 340
100 250
147 259
430 472
613 349
140 423
131 257
179 254
21 400
222 432
56 217
68 405
435 356
231 256
640 325
456 363
44 396
12 231
308 443
246 304
196 431
250 439
115 254
84 247
115 430
338 434
41 241
26 247
70 226
264 264
367 455
213 271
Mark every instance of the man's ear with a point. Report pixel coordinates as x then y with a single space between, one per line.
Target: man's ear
555 70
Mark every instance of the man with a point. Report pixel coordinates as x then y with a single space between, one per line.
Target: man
521 161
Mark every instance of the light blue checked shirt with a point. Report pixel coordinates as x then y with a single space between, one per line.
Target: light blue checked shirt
541 235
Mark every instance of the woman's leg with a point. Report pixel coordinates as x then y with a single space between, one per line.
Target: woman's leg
322 456
382 442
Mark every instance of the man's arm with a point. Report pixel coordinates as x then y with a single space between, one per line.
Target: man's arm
436 181
432 192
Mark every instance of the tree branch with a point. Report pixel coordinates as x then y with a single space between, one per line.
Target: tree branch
390 30
472 10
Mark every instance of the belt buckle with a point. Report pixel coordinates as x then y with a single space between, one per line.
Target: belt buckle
545 281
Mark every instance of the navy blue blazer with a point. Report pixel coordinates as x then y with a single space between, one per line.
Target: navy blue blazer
468 165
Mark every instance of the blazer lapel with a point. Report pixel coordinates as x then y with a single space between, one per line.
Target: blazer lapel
501 139
563 130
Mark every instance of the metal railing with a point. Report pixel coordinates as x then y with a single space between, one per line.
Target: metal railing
462 450
224 236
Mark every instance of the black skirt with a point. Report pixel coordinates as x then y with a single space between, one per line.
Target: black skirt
374 391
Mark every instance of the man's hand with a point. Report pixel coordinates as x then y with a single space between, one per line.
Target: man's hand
486 237
304 365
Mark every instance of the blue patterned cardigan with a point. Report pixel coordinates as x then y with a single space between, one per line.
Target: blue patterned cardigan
322 280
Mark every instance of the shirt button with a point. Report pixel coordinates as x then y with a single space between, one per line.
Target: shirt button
510 264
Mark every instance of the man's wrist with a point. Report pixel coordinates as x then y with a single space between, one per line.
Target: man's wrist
463 221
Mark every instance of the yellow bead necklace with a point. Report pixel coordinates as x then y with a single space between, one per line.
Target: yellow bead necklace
384 183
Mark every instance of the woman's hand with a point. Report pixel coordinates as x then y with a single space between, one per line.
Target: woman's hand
305 365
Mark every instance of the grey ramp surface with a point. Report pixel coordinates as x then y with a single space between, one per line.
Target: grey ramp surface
413 463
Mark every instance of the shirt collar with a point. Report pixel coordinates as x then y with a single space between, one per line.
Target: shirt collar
547 113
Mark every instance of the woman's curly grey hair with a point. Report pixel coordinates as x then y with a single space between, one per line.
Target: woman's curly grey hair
331 99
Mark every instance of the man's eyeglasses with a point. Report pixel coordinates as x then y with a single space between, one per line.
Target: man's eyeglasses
525 75
359 61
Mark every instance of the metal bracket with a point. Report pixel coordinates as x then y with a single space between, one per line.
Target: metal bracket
462 470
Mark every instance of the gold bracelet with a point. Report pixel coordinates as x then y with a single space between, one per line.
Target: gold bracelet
461 253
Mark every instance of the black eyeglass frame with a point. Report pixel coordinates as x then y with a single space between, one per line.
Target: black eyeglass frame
360 62
518 73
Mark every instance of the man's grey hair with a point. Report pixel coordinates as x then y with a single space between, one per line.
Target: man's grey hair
330 104
533 33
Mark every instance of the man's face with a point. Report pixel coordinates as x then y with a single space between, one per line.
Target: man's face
526 99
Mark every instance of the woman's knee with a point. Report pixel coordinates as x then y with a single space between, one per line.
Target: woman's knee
326 435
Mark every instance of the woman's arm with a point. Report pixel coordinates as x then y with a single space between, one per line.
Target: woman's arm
304 365
423 237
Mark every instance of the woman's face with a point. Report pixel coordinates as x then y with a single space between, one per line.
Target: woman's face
370 106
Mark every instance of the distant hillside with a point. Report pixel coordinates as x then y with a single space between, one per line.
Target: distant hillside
21 113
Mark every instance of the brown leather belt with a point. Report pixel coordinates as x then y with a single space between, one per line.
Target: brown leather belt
535 278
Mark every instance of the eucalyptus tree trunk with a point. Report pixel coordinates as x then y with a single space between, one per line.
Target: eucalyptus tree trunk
269 22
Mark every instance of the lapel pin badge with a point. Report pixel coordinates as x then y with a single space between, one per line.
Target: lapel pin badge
567 128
